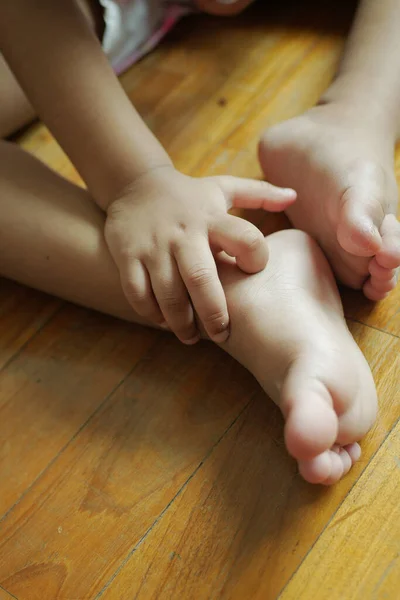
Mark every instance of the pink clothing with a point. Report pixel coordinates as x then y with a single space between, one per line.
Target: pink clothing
134 27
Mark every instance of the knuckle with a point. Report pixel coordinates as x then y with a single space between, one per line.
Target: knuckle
252 239
135 295
200 276
127 254
173 302
216 321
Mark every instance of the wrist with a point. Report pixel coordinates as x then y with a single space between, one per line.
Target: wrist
125 183
150 176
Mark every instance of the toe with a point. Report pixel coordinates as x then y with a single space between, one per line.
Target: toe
359 222
347 456
311 422
388 256
337 468
354 451
371 294
375 289
330 466
380 273
318 469
346 461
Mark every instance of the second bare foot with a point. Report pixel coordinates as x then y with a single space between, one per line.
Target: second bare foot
342 170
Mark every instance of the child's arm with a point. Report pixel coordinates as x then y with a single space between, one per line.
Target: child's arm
369 75
61 66
161 225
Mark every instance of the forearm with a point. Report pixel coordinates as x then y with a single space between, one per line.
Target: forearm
369 74
61 66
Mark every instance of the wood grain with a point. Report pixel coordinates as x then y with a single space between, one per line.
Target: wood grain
114 479
131 466
5 595
53 386
246 520
22 314
365 533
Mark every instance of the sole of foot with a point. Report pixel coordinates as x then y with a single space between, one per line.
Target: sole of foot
288 329
347 195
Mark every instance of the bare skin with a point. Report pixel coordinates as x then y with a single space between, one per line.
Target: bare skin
170 260
343 173
288 327
339 156
16 112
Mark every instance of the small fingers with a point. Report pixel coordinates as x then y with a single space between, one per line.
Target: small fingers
199 273
252 193
173 300
137 288
242 240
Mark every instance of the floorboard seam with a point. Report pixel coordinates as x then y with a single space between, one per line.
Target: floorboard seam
78 431
33 336
373 327
170 503
327 524
7 592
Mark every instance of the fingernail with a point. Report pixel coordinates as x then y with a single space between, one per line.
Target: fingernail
227 1
220 338
192 341
289 192
164 325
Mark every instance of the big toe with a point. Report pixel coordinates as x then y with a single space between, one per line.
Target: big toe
360 219
320 432
311 425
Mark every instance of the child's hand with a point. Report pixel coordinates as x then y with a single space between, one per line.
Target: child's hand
162 234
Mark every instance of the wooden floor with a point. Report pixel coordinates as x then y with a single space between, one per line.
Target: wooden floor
133 467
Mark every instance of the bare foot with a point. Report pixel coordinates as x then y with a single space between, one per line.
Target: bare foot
287 321
347 194
288 329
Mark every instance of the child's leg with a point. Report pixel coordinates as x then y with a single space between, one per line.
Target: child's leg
287 322
51 236
15 110
339 156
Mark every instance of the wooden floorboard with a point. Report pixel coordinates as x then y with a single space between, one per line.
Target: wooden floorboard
133 467
365 534
22 314
53 386
244 523
115 478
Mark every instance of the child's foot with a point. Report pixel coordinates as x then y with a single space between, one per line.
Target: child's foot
288 329
347 194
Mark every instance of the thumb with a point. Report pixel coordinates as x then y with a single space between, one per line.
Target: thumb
252 193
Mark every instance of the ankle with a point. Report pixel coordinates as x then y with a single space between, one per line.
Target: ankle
366 112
